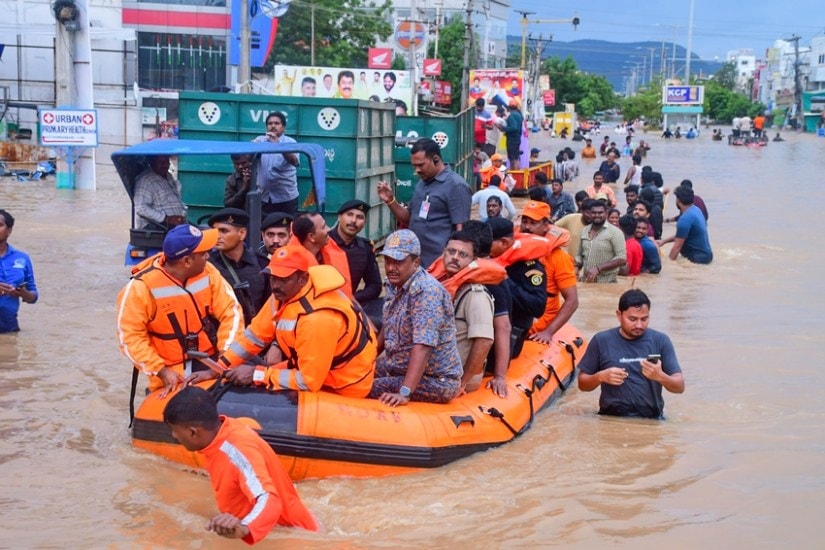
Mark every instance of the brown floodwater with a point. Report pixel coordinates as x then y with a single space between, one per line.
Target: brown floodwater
739 462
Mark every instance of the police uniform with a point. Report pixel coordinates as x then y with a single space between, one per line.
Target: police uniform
276 219
244 276
361 258
527 283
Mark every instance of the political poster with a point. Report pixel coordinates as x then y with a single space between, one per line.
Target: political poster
497 86
343 83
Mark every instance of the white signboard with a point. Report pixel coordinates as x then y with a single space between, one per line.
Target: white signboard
68 128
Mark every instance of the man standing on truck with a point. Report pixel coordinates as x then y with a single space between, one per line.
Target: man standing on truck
278 173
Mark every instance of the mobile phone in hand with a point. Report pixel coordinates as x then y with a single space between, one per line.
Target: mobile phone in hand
654 358
21 286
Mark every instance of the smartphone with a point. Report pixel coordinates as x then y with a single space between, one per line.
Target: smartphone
21 286
654 358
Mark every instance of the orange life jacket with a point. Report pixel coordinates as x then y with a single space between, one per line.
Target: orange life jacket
352 369
179 312
485 174
333 255
480 271
527 246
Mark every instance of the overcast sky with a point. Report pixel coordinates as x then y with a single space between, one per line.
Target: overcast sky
718 25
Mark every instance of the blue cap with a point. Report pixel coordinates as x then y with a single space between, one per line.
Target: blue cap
186 239
401 244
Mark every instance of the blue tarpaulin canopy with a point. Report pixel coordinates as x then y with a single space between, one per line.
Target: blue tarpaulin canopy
132 161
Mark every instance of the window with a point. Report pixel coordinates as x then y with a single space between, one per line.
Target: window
181 61
822 59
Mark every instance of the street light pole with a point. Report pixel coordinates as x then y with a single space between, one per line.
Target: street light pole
689 43
574 20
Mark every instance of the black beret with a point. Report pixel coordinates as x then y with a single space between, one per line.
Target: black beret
502 227
277 219
232 216
354 204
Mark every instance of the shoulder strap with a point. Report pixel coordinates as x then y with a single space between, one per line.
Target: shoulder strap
464 295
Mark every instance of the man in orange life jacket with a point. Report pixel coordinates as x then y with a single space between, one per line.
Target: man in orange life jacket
521 255
251 486
464 275
561 275
325 338
174 303
311 231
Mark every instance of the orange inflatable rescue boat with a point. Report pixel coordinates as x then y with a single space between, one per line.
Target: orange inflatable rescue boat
319 435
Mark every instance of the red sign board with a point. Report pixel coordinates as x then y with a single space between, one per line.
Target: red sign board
549 98
432 67
442 92
379 58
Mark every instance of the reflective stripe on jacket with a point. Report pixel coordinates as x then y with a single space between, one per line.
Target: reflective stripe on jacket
326 339
155 313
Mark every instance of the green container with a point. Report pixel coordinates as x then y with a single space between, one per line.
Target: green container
455 136
358 138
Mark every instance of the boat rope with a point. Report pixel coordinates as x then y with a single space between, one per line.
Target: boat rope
495 413
569 349
219 388
551 372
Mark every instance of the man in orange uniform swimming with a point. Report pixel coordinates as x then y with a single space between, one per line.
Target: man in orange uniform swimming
252 489
326 339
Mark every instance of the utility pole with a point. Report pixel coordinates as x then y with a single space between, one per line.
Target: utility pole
689 43
245 69
797 89
469 44
535 72
437 25
650 79
574 20
524 15
413 22
312 34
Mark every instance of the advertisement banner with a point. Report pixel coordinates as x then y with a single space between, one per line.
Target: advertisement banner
379 58
683 95
497 86
544 82
343 83
549 97
432 67
442 92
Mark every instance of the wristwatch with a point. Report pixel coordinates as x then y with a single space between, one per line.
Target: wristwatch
405 392
259 376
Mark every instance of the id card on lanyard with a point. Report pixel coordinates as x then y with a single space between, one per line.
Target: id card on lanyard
425 208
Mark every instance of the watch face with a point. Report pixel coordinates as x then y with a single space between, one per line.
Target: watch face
405 391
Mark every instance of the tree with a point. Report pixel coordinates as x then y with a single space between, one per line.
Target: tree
344 31
723 104
726 76
589 92
451 48
647 104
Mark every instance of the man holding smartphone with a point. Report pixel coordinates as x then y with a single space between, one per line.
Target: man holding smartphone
631 363
16 277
